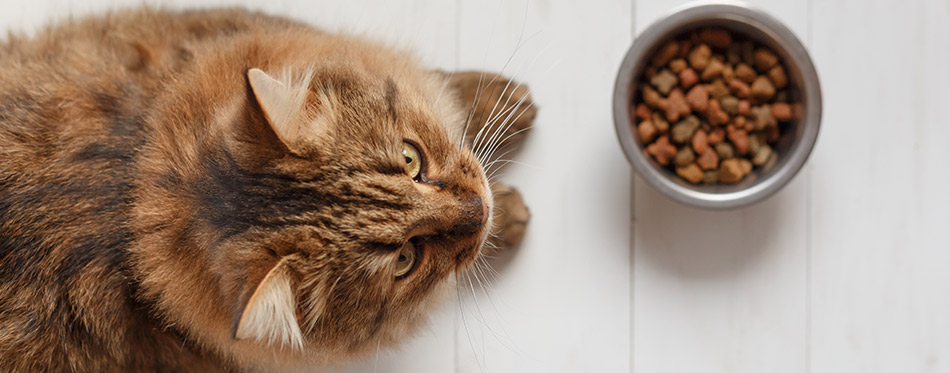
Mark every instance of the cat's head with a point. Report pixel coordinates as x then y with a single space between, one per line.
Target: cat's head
329 206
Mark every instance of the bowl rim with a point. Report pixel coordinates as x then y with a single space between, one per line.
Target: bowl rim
681 17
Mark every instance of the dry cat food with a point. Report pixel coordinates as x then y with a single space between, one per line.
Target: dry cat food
712 106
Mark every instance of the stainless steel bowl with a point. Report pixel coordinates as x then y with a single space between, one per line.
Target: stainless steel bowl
796 142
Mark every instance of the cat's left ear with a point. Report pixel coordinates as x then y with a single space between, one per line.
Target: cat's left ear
269 316
283 103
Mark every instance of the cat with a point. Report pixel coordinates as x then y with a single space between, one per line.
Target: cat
225 190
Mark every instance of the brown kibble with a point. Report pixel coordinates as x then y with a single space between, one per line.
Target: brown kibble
715 115
650 72
699 141
708 159
755 142
746 166
724 150
699 56
661 124
646 131
685 46
728 73
662 150
698 98
772 134
688 77
683 130
764 59
713 69
711 177
650 96
664 81
739 138
762 155
643 112
716 37
716 136
665 54
677 65
675 105
691 173
762 117
743 108
762 88
729 104
739 88
730 172
745 73
778 76
782 111
684 157
717 89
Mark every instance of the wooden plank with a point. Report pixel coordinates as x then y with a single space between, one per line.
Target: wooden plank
880 207
562 304
720 291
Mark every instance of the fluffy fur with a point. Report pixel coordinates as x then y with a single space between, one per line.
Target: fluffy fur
225 190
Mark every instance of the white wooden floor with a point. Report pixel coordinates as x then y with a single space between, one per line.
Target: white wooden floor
847 269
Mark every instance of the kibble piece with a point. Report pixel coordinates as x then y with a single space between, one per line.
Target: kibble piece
688 77
716 136
661 124
666 53
675 105
764 59
650 96
772 134
728 74
739 138
762 117
716 37
685 47
782 111
739 88
699 141
691 173
711 177
713 69
747 52
715 115
762 156
683 130
643 112
770 163
708 159
755 142
698 98
778 76
664 81
662 150
743 108
699 56
677 65
684 157
762 88
730 172
746 165
730 104
745 73
646 131
717 89
724 150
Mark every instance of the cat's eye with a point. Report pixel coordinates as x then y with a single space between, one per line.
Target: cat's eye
406 260
413 160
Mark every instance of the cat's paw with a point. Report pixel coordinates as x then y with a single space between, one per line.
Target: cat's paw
510 217
494 102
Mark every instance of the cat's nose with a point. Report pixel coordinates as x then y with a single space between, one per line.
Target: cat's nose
473 216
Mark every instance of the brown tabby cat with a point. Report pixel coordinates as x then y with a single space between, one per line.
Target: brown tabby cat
224 190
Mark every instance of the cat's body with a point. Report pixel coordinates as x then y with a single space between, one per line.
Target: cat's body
150 219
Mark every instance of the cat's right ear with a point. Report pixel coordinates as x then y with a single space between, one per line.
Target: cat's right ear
283 103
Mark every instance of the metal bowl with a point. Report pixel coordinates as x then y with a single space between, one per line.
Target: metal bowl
797 139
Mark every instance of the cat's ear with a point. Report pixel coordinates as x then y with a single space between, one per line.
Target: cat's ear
283 103
269 317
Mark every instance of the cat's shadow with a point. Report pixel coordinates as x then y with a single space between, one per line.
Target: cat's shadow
699 244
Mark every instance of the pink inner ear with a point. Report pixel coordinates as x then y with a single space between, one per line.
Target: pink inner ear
284 105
